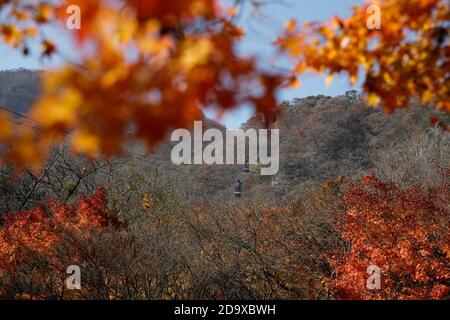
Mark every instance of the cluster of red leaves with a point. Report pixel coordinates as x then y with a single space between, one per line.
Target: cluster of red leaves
35 233
403 232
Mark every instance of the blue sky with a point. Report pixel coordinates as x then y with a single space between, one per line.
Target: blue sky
262 29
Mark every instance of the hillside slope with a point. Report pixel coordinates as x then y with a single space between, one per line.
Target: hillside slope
19 89
321 138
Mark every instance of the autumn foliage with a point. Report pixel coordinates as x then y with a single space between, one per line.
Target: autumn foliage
184 60
30 242
403 232
144 68
316 247
407 56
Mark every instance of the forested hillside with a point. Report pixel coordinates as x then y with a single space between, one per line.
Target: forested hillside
191 238
321 138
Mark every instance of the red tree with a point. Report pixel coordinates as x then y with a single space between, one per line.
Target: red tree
35 244
403 232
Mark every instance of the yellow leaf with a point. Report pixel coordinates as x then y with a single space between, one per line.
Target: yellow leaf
113 75
290 25
11 34
373 99
387 78
58 111
84 142
329 80
331 54
20 15
196 52
293 83
428 96
232 11
5 126
30 32
300 68
45 13
126 29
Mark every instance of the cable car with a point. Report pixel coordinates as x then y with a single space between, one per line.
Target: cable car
238 189
247 166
